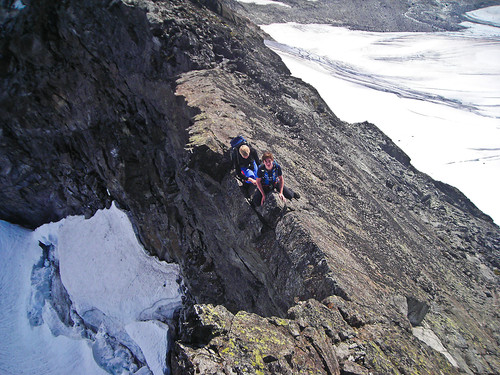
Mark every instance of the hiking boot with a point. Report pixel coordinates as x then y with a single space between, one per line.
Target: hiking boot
296 195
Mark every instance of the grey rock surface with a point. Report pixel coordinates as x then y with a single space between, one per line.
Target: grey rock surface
136 101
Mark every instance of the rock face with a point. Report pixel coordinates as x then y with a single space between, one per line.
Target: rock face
371 15
316 338
136 101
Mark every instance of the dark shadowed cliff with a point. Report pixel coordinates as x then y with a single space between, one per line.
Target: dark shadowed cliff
136 101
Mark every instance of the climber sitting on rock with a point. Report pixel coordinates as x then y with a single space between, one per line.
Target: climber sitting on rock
269 178
247 164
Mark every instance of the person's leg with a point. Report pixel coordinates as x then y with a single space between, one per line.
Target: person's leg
288 193
257 198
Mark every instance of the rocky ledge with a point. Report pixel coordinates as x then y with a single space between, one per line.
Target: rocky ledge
136 101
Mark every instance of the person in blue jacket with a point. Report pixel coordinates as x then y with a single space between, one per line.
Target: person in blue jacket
269 178
247 163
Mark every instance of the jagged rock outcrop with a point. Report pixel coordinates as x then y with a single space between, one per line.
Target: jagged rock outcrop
315 338
136 101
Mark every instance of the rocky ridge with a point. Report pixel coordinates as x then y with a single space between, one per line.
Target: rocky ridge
370 15
136 101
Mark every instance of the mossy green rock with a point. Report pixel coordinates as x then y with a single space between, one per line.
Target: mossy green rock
313 339
255 345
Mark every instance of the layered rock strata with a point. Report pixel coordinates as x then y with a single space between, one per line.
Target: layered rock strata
136 102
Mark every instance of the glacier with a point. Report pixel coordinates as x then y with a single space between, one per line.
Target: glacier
83 297
436 95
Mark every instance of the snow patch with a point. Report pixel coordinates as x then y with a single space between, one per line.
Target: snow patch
264 2
152 337
428 336
18 4
75 295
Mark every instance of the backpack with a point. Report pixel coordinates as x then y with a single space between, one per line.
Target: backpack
236 143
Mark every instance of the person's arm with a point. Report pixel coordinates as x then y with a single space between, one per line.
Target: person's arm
281 183
235 162
261 189
237 167
243 176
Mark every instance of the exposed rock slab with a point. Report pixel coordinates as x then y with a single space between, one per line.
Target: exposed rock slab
313 339
382 263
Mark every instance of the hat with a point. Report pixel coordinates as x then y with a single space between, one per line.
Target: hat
244 151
